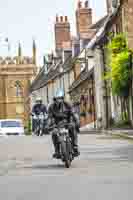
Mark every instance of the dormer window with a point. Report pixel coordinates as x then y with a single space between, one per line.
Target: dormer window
114 3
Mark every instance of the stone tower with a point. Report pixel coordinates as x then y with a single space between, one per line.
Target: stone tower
19 54
83 19
62 33
16 74
34 52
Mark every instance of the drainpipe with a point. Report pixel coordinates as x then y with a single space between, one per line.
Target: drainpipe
101 104
94 103
47 96
64 85
131 90
106 92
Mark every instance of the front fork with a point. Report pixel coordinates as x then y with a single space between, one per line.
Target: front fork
66 148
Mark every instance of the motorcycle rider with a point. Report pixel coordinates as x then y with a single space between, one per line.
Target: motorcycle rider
58 111
37 109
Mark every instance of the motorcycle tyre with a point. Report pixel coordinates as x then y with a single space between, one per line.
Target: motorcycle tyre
66 155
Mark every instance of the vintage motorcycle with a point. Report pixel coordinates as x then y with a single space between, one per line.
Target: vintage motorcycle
65 143
41 124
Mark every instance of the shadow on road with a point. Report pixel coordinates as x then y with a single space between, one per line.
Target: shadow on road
45 167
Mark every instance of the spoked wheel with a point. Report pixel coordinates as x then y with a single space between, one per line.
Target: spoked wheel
66 151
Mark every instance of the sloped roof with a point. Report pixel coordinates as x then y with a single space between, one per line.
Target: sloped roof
99 23
103 25
103 29
68 64
83 76
42 78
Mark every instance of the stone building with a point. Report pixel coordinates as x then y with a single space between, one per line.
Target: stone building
83 91
67 49
16 75
80 62
67 68
58 75
119 20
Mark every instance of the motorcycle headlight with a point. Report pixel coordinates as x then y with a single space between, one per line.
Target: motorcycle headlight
34 117
63 130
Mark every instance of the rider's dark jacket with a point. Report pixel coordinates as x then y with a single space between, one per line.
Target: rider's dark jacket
39 108
61 111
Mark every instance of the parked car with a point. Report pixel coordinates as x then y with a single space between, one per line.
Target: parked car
11 127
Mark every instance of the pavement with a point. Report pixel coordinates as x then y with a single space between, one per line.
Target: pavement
103 171
125 133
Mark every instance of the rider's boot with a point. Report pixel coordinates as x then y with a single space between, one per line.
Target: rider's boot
76 151
75 146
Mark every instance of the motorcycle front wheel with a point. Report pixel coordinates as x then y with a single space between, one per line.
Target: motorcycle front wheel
65 149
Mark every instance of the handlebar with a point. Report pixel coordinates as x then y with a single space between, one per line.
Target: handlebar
44 114
59 126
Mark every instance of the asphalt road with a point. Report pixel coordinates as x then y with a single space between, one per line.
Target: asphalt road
104 171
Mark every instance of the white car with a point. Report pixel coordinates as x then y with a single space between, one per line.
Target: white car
11 127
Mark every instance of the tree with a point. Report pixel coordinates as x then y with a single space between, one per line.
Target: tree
119 71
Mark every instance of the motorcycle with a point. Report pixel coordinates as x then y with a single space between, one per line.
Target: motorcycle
40 122
45 126
65 143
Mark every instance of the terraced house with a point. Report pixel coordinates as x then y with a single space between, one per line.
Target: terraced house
62 68
80 62
119 22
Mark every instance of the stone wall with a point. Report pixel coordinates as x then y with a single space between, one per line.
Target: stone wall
14 90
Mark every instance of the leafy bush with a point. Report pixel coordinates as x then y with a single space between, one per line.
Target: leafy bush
119 71
122 124
28 128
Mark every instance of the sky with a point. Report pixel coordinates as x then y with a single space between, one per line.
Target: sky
25 20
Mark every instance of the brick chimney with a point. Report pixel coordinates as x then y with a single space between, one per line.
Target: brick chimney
62 33
83 19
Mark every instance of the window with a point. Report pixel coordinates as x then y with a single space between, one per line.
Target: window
76 49
19 91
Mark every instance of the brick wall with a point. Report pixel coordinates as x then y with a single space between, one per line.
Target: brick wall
62 32
11 105
83 19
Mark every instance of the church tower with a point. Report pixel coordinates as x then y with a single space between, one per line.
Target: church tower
16 74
